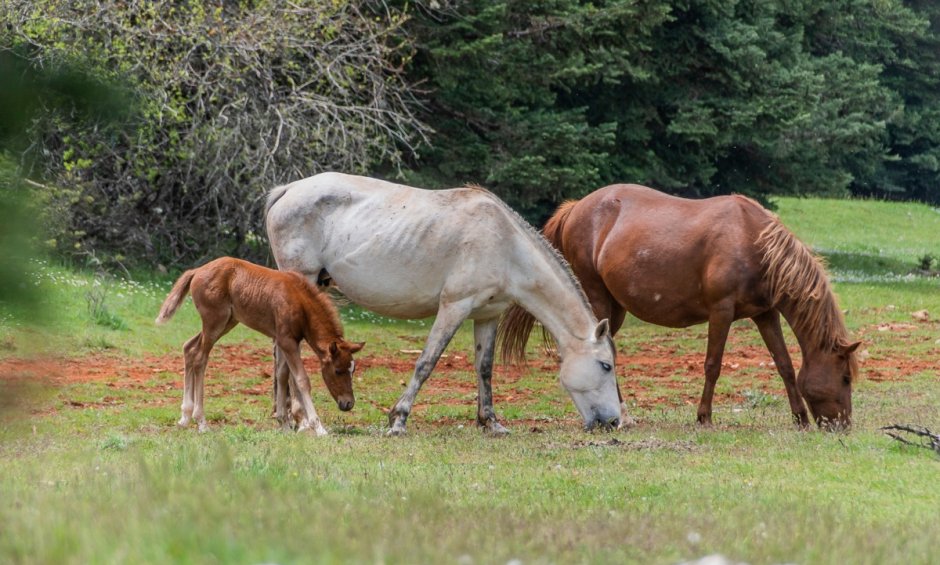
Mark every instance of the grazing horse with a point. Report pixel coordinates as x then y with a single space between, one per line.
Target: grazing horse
281 305
461 253
677 262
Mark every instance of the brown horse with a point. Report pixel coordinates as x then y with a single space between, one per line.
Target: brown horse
281 305
677 262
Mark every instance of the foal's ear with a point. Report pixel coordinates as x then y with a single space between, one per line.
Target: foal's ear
334 349
602 330
356 347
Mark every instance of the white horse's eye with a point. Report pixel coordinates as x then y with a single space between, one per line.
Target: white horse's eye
605 366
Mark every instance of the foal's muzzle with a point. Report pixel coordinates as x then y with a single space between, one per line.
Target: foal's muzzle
345 404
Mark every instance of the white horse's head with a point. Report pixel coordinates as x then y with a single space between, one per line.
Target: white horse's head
587 373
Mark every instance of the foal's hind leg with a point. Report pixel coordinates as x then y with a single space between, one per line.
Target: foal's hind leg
213 328
188 402
768 324
484 337
719 323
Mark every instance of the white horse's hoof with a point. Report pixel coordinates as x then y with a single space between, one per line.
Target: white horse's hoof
494 428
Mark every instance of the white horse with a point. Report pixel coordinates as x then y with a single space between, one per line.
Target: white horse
461 253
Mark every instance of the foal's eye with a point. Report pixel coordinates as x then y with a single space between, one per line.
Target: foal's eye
605 366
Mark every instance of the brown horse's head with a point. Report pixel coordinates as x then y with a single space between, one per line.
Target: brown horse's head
337 369
825 382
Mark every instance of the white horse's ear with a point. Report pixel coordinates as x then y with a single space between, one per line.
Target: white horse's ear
602 330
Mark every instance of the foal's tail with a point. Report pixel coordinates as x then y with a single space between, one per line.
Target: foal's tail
176 296
517 324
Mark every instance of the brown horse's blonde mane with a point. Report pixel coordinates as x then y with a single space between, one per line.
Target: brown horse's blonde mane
516 325
797 276
326 312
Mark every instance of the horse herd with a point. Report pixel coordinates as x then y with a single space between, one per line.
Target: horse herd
463 254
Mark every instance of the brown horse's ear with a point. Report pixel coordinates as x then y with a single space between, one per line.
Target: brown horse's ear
847 349
356 347
334 349
602 330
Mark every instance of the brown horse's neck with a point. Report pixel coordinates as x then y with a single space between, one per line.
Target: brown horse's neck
799 288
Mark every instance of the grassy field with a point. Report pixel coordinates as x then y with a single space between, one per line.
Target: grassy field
94 470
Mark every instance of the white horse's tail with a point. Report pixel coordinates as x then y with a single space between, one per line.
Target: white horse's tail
276 193
176 296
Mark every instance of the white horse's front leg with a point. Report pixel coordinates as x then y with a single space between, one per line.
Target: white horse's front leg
484 338
449 318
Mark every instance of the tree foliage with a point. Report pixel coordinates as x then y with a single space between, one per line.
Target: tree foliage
230 100
551 99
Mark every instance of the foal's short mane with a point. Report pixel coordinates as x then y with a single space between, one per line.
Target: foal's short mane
797 276
326 312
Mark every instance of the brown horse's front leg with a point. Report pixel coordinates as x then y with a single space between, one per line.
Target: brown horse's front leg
719 323
768 324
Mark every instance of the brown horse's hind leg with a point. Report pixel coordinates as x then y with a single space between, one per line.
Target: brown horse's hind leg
484 337
768 324
719 322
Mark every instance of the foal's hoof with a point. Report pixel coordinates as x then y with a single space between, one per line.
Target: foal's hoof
183 423
316 429
204 428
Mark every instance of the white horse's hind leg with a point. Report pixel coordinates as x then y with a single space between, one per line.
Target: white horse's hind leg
449 318
484 337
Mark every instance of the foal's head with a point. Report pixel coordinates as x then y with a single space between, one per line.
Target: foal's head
337 367
825 382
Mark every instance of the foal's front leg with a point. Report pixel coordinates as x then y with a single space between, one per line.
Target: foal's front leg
484 338
291 353
281 384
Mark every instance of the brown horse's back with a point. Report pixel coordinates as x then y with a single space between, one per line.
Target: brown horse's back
665 259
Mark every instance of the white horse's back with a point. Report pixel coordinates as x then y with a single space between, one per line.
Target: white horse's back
392 248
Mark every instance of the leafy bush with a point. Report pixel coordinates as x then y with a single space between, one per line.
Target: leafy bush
230 100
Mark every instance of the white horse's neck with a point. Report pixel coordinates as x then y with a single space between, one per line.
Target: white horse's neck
552 295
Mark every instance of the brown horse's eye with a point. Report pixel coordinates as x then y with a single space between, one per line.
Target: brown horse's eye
847 380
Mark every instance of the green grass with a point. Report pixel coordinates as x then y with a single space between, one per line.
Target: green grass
97 472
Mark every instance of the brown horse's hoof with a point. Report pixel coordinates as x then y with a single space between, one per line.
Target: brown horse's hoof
705 420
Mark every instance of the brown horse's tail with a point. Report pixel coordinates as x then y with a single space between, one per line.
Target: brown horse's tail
176 296
516 325
554 226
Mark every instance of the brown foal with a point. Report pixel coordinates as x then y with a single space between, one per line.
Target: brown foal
281 305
